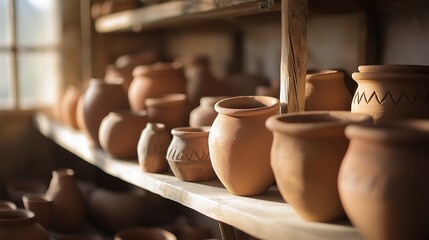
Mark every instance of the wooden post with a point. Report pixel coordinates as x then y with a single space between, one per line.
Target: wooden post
293 65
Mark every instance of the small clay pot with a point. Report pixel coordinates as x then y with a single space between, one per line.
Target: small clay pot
306 155
205 114
188 154
17 188
19 225
7 205
240 144
170 109
144 233
69 106
120 131
42 206
152 148
382 180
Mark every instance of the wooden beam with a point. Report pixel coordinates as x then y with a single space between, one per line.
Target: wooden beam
293 65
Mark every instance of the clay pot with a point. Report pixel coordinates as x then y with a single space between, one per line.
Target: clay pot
240 144
382 180
120 131
155 80
188 154
144 233
69 106
17 188
306 155
205 114
6 205
99 100
392 92
152 148
325 90
69 210
19 225
171 110
42 206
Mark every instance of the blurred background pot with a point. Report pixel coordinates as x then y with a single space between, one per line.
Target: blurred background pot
170 109
19 225
69 106
144 233
7 205
42 207
17 188
205 114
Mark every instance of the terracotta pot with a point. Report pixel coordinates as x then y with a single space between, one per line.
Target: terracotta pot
69 211
19 225
382 180
306 155
120 131
188 154
325 90
99 100
205 114
240 144
152 148
144 233
17 188
69 106
171 110
155 80
7 205
392 92
42 206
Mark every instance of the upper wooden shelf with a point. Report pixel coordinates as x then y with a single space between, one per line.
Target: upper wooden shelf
180 12
265 217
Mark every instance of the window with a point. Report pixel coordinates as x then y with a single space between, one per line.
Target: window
29 53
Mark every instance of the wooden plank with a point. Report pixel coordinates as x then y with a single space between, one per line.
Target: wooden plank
293 65
264 217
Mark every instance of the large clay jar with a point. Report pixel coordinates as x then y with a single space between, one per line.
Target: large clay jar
69 106
19 225
188 154
205 114
152 148
170 109
99 100
325 90
306 155
120 132
392 92
144 233
383 180
69 209
155 80
240 144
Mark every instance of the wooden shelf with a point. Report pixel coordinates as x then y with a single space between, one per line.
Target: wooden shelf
180 12
265 217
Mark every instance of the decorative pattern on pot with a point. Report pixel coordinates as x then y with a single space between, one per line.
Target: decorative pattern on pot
170 109
19 225
120 132
240 144
205 114
152 148
382 180
188 154
155 80
306 155
392 92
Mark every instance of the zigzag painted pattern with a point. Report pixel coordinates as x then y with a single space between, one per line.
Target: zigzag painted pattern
359 97
173 154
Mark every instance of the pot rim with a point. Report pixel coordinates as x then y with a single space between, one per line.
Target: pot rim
394 68
156 126
37 198
390 76
63 172
301 123
127 113
191 132
10 217
9 204
324 74
266 104
166 99
135 230
145 70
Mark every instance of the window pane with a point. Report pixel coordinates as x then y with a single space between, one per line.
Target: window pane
38 78
4 22
5 87
37 22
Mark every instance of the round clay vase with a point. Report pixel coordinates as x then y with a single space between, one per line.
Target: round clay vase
7 205
69 209
240 144
306 155
152 148
69 106
188 154
144 233
205 114
382 180
170 109
155 80
99 100
120 132
392 92
19 225
42 206
326 91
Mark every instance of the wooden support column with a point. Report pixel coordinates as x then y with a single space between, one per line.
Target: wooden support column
293 65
